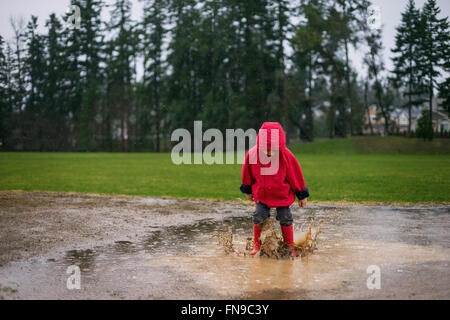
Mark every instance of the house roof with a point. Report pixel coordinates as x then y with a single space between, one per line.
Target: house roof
441 116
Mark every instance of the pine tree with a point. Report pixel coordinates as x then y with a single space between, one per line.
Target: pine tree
425 126
183 83
444 89
336 30
91 38
353 19
359 106
5 110
56 92
444 86
259 67
17 82
406 62
121 72
214 32
72 53
433 48
375 64
153 32
12 141
35 71
307 43
281 14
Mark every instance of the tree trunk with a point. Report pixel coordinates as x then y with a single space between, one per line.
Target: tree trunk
367 107
431 99
349 88
310 116
410 93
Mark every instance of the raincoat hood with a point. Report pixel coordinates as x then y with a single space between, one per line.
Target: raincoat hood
271 136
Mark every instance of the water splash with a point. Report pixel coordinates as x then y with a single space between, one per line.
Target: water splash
272 243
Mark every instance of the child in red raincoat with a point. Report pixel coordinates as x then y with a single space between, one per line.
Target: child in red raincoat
272 178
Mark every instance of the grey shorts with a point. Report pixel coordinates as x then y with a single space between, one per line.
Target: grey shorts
262 212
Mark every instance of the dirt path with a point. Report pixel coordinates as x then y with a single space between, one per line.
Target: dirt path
149 248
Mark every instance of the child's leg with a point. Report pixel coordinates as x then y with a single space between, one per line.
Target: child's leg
284 215
261 213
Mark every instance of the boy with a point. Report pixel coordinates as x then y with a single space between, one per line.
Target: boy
272 177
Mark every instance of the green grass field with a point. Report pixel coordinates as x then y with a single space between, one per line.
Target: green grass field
354 170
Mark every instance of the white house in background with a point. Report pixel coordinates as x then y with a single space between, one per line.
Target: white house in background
400 118
377 122
441 121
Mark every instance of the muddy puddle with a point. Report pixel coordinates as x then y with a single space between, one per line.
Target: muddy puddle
167 249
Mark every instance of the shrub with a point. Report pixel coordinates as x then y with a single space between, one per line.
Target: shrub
425 126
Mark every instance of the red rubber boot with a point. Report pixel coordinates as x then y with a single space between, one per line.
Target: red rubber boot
288 236
256 235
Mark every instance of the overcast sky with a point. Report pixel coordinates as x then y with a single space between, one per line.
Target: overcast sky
390 17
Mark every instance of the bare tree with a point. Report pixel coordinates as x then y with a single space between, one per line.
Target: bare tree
18 26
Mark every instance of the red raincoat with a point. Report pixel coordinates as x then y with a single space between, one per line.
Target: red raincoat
274 183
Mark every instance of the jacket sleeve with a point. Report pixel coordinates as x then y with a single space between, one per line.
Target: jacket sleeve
247 178
295 176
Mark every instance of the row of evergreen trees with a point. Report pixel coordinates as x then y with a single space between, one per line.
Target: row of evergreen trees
124 85
422 51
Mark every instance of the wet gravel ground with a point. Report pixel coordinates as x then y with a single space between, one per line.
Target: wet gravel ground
148 248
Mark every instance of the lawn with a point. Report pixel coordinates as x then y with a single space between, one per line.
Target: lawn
343 170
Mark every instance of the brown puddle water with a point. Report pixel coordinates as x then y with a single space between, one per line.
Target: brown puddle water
411 246
336 262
